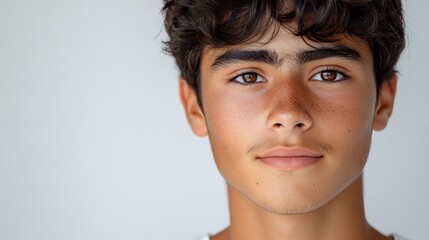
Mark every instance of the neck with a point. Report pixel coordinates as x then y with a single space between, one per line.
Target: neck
341 218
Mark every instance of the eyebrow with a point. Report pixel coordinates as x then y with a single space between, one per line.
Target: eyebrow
272 58
232 56
339 50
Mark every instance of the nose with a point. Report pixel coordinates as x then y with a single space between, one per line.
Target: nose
289 111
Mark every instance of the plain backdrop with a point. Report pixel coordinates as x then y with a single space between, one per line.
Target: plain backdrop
94 143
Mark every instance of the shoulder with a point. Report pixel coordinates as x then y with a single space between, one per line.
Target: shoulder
395 237
398 237
207 237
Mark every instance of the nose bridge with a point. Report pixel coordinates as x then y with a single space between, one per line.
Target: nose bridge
288 103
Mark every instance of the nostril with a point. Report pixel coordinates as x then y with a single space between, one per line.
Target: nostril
278 125
299 125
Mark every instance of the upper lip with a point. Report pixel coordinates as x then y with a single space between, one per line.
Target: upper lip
286 152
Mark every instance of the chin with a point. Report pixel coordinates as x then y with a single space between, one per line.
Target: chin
293 199
290 206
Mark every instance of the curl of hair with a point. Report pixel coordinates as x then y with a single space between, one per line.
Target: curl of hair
195 24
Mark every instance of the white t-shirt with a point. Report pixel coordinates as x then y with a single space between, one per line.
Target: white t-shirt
395 236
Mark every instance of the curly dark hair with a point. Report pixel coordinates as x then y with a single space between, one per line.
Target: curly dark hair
193 25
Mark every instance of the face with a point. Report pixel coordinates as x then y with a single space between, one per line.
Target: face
289 124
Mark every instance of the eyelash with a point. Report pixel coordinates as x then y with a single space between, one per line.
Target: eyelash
332 69
327 69
243 73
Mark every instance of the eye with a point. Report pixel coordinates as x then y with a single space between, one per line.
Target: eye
248 78
329 75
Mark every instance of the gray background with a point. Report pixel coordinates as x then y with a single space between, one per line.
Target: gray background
94 143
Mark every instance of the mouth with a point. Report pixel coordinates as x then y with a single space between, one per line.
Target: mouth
289 159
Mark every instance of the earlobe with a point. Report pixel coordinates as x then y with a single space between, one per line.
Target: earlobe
193 112
386 99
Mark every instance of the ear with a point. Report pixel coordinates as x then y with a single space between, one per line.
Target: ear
193 112
384 107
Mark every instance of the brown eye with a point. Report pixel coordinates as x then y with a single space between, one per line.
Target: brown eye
248 78
329 76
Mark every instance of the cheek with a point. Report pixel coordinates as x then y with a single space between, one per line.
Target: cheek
231 114
348 113
356 116
230 120
347 122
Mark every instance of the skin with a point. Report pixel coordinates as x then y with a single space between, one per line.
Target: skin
328 105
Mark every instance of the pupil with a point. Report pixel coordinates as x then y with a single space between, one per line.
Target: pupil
329 75
250 78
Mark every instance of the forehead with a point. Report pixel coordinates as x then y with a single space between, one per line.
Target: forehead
287 46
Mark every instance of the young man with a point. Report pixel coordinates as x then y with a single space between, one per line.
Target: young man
289 93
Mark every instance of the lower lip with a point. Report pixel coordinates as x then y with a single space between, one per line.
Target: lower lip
290 163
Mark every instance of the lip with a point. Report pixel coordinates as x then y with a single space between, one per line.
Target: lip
289 159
